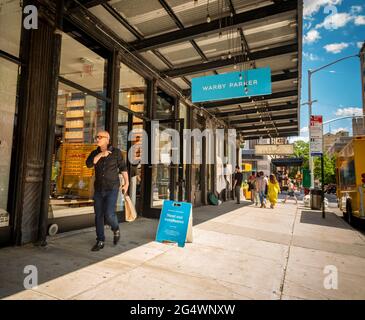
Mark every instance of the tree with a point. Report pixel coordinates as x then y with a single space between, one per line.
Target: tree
329 169
301 150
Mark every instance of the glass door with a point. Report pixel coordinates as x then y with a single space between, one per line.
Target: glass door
162 171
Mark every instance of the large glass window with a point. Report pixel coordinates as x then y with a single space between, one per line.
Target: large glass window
161 172
132 90
79 118
198 123
10 26
82 66
80 115
8 89
164 108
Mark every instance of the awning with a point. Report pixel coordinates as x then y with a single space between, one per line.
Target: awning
287 162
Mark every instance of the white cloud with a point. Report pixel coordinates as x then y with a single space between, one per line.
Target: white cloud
334 131
295 139
312 36
304 130
356 9
335 21
359 44
359 20
311 7
310 56
344 112
336 47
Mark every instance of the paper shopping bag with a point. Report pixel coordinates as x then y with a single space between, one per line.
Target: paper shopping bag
130 210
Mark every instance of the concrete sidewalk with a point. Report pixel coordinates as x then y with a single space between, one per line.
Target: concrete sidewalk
239 252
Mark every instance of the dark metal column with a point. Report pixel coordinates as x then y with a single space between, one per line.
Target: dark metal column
39 54
54 72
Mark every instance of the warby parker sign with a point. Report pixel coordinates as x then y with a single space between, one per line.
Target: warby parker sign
247 83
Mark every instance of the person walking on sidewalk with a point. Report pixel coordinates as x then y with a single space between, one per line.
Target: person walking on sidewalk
254 191
237 185
273 191
261 187
108 164
291 192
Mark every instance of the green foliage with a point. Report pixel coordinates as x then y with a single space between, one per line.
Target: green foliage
301 150
329 169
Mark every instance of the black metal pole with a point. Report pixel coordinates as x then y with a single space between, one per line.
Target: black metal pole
323 204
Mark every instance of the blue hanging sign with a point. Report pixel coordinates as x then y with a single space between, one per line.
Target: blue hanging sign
246 83
175 223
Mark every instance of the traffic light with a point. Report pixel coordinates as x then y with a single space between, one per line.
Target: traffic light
363 179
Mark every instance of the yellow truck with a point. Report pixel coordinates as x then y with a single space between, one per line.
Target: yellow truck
350 175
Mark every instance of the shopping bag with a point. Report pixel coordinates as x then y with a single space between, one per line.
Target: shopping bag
130 210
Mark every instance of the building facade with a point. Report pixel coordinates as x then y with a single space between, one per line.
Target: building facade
59 86
77 73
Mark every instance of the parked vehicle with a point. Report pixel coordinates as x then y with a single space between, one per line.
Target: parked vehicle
350 175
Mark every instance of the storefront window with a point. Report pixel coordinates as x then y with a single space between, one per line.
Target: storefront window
8 89
79 118
183 115
123 133
136 172
161 172
10 26
82 66
197 151
132 90
164 106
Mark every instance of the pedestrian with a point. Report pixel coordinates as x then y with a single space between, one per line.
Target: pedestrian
108 164
251 185
291 192
237 185
273 191
261 187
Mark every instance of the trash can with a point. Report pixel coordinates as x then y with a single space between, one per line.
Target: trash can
316 199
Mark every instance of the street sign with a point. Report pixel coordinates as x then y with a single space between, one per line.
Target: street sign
246 83
316 136
274 149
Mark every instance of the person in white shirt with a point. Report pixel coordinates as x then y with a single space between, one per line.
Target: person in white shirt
291 192
262 182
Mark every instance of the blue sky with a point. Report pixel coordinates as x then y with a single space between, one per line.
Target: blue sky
332 29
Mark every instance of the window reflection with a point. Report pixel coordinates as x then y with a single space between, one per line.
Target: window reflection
82 65
132 90
8 87
79 118
10 26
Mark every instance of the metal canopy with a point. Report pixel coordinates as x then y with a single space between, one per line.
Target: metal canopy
176 38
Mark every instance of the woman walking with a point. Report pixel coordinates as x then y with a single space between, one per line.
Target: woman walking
273 191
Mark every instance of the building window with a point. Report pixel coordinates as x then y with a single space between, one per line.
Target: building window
81 114
79 118
10 26
82 66
165 106
132 91
8 97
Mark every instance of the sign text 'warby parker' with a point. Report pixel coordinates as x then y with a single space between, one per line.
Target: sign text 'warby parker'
246 83
238 84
